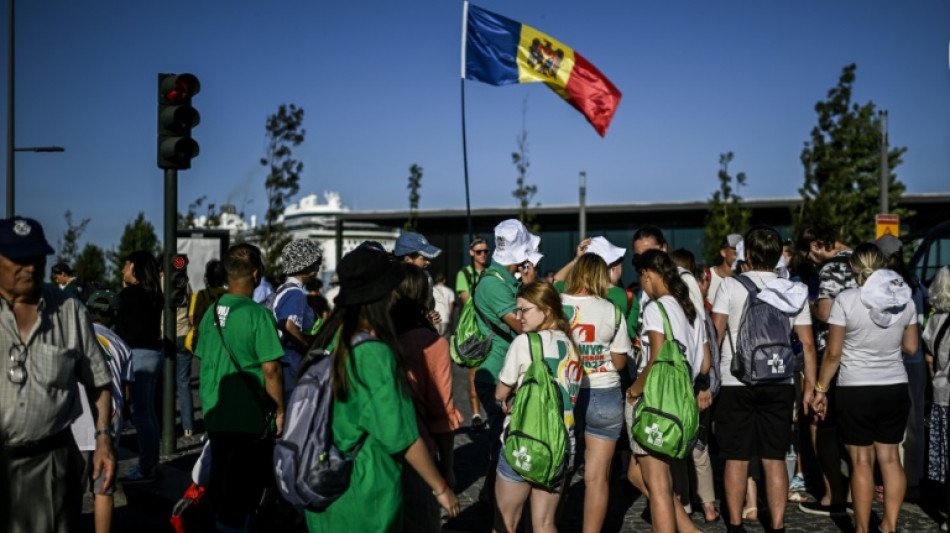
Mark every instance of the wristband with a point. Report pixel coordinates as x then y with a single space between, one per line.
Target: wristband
702 382
819 387
445 487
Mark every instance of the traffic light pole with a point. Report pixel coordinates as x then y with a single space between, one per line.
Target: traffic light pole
170 336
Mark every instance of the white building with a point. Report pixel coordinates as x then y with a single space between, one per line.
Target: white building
311 219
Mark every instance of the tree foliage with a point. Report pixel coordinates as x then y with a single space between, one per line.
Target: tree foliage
524 192
284 131
415 183
189 220
69 243
842 166
726 214
138 235
91 266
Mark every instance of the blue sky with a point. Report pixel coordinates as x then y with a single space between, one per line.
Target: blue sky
379 82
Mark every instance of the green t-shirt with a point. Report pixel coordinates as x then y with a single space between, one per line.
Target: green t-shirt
249 330
495 298
376 405
462 280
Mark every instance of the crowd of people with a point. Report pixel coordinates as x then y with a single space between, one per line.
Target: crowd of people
809 369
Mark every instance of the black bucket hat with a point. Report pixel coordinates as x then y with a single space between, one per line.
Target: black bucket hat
366 275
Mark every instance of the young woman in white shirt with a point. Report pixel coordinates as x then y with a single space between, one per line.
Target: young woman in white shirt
539 310
603 344
869 328
661 281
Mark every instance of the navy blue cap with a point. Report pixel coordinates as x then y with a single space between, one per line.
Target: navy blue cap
410 242
22 237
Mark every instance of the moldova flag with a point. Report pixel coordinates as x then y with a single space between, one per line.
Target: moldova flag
500 51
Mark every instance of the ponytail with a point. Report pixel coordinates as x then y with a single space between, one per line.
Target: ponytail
658 261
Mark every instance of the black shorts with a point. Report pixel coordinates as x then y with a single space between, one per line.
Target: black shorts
873 413
754 421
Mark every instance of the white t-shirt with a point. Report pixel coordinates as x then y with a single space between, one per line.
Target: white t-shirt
695 295
444 297
119 358
730 299
871 354
559 354
691 337
594 326
714 281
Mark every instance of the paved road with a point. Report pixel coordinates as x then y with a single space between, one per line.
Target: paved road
146 508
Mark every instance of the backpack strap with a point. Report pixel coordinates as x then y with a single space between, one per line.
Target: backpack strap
617 316
753 291
493 325
667 330
537 349
940 336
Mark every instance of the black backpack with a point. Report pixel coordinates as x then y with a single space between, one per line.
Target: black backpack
763 354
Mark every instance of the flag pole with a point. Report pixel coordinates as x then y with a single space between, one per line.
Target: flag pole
468 203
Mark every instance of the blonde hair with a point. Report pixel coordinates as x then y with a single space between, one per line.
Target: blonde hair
543 295
865 260
940 290
589 274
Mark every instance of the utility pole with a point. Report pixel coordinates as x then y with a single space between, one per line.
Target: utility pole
11 205
884 170
583 210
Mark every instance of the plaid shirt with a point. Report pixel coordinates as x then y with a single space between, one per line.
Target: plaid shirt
60 349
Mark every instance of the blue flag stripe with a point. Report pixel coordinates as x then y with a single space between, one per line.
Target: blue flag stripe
491 47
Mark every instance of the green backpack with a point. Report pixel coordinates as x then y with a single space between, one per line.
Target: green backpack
536 439
666 419
468 346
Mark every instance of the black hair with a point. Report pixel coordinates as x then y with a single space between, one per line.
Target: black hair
763 248
476 240
62 268
658 261
241 260
215 274
145 270
819 232
650 231
684 258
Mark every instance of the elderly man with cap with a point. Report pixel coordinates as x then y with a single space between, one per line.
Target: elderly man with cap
241 385
515 254
301 261
51 344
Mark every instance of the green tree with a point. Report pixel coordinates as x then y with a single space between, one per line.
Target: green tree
189 219
91 265
726 214
284 131
523 191
69 243
842 166
415 183
138 235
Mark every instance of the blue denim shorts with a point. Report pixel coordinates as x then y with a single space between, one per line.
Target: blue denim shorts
504 470
599 413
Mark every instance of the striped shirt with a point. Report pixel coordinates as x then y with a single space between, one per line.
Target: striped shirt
61 348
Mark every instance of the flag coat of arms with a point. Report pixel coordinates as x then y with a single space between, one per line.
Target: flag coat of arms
500 51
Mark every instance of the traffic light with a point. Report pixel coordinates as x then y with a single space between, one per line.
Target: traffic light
179 281
176 117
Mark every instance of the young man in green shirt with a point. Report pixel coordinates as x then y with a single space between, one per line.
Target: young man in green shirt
464 281
515 248
240 373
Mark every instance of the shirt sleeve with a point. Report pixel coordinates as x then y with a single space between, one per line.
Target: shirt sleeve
267 343
388 414
621 341
516 362
494 299
292 306
461 282
837 317
652 319
93 369
443 417
832 279
803 318
722 299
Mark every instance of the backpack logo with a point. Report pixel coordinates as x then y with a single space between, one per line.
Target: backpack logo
523 459
654 435
777 364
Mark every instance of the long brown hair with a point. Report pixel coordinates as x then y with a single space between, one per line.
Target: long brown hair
543 295
590 274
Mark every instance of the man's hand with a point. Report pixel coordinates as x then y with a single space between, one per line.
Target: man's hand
103 458
704 400
435 318
279 422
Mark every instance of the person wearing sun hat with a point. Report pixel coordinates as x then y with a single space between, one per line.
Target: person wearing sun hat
515 248
39 397
300 260
371 398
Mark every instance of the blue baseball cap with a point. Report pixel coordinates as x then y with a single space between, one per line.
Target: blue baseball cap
22 237
410 242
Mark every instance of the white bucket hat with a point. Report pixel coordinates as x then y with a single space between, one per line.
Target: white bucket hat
513 243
